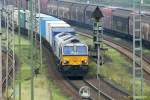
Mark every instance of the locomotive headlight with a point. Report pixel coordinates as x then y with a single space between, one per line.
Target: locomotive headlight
66 62
84 61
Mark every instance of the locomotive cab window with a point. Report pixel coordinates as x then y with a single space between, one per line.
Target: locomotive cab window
68 50
81 50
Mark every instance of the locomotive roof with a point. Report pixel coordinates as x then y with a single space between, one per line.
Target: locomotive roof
63 37
68 40
62 34
77 44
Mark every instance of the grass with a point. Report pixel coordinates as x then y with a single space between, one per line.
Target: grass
45 88
146 51
85 40
117 69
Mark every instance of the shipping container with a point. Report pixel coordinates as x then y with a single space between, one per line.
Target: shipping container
43 24
55 27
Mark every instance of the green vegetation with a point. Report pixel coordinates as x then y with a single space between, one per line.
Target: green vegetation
146 51
85 40
45 88
117 69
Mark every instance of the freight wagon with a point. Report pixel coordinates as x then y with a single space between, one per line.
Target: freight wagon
117 21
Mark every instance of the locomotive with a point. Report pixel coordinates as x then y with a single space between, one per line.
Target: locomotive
71 54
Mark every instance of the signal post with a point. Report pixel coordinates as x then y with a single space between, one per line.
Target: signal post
98 41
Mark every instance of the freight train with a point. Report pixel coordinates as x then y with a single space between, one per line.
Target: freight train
71 54
117 21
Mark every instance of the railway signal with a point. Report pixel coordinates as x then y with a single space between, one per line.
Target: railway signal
98 40
97 15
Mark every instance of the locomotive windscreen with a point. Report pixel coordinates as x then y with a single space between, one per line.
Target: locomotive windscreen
68 50
81 50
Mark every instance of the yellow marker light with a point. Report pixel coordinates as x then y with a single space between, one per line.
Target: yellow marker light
84 61
66 62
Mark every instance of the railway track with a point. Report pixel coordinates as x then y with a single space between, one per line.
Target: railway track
124 50
74 85
109 89
63 84
106 96
127 52
107 92
78 83
71 87
146 61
